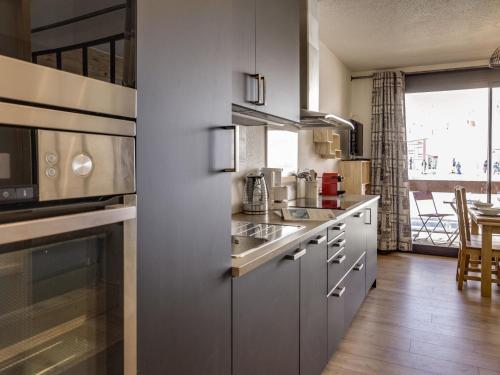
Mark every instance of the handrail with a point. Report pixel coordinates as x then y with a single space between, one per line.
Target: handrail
82 17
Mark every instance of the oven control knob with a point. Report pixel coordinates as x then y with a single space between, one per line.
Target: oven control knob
82 165
51 172
51 158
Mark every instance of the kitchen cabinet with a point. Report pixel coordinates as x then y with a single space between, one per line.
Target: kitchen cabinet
355 237
266 318
266 56
313 307
355 291
290 314
336 307
243 55
184 222
371 234
356 176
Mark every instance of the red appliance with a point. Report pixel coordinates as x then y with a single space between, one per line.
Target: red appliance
330 184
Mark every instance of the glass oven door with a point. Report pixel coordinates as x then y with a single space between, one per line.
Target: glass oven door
67 303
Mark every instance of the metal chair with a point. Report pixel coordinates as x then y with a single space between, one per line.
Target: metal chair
420 197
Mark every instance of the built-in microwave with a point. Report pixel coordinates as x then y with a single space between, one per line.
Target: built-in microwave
48 155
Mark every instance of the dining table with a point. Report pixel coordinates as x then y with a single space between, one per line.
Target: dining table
489 225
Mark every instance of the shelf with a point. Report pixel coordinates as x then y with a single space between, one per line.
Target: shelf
327 143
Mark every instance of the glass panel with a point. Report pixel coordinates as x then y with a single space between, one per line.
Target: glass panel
34 30
62 304
495 158
447 134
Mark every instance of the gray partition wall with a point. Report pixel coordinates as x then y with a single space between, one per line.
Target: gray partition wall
184 255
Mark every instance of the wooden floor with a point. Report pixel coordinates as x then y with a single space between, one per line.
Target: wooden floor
417 322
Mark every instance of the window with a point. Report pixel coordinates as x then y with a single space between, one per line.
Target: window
449 133
282 150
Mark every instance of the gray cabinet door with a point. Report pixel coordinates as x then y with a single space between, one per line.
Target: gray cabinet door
313 307
336 312
243 53
266 308
355 291
277 56
371 245
355 237
184 208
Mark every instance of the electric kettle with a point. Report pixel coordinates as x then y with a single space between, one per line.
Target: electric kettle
255 195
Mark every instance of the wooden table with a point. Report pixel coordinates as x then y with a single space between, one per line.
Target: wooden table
489 225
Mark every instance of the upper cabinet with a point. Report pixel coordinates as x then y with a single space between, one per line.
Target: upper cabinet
266 66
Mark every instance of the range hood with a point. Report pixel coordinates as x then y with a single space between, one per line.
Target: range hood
310 117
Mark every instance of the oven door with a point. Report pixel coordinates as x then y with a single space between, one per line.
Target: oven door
16 164
67 293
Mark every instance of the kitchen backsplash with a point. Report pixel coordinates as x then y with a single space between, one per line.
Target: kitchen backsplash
253 156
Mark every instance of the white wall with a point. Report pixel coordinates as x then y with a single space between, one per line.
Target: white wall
334 83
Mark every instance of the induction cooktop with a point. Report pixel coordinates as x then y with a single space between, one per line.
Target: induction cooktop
327 202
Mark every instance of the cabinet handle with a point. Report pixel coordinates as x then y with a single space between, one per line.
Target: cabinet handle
318 240
359 214
297 255
339 259
359 267
263 102
236 148
257 77
339 227
340 243
338 292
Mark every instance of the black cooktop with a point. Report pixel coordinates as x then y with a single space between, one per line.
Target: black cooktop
327 202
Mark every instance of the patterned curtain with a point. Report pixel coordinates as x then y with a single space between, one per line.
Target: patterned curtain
389 161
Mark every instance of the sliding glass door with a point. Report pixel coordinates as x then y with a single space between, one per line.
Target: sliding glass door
453 135
447 133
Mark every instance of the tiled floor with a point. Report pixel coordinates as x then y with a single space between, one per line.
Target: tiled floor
417 322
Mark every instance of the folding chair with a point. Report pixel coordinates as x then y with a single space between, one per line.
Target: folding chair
420 197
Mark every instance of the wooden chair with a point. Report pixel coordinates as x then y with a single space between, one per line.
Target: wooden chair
426 196
469 251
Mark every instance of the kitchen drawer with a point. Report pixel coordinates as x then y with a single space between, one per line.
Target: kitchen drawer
336 312
336 267
355 290
335 230
355 237
335 244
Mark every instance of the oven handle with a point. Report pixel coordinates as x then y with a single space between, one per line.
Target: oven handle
32 229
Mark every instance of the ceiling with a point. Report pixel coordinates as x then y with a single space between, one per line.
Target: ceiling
381 34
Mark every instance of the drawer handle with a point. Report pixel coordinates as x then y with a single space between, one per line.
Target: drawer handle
338 292
318 240
359 214
359 267
340 243
339 259
297 255
339 227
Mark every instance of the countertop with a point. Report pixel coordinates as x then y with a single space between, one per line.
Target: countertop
241 266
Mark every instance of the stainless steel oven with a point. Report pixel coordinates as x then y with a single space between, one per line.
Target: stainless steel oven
66 159
68 289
